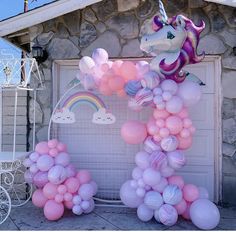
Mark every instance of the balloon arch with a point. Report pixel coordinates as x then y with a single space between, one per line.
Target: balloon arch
161 84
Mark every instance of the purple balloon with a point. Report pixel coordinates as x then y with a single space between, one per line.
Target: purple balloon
57 174
71 170
62 159
28 176
40 179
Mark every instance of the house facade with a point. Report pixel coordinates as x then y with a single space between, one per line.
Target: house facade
117 25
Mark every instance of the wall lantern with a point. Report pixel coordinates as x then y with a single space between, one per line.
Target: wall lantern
39 53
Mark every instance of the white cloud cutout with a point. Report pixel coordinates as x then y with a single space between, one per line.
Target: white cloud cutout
63 116
102 117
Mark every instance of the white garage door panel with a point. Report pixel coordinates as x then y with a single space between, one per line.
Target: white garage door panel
202 150
100 148
201 176
205 71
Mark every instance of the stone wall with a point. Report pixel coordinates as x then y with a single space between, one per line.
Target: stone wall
116 26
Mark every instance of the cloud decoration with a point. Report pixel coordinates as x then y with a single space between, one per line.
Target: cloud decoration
63 116
103 117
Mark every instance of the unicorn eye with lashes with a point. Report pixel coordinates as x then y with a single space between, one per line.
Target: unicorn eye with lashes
170 35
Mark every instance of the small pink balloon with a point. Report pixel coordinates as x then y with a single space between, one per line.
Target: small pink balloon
133 132
42 148
50 190
186 214
190 192
187 122
160 114
181 207
62 159
157 138
61 147
185 133
116 83
192 129
184 143
52 143
105 89
38 198
83 176
160 122
53 152
128 70
142 159
176 180
72 184
45 162
183 113
152 128
164 132
174 124
116 66
40 179
59 198
68 204
71 170
86 191
62 189
68 197
53 210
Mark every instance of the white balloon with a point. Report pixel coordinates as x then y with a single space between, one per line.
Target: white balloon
174 105
170 86
190 92
156 216
153 200
168 215
86 64
57 174
169 143
151 177
172 195
144 213
141 159
77 210
204 214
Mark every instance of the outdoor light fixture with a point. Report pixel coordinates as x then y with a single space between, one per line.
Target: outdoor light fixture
39 53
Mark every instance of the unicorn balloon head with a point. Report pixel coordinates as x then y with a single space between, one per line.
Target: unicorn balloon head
174 43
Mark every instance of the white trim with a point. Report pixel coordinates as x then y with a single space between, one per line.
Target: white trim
42 14
1 113
224 2
217 104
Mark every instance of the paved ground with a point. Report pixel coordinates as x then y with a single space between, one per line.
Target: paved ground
29 217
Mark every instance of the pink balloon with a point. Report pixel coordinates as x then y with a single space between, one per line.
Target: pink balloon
160 114
169 143
186 214
53 210
53 152
50 190
128 70
134 132
152 128
190 192
62 159
40 179
38 198
44 163
164 132
100 56
128 195
176 180
68 204
52 143
83 176
61 147
160 122
59 198
142 159
151 177
42 148
86 191
187 123
62 189
33 168
105 89
71 170
184 143
116 66
57 174
183 113
185 133
174 124
116 83
181 207
68 197
174 105
72 184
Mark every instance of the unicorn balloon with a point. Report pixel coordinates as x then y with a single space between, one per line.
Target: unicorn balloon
174 43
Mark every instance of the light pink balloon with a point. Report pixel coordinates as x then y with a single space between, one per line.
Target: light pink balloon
50 190
38 198
190 192
183 113
42 148
72 184
116 83
53 210
61 147
164 132
142 159
174 124
174 105
62 189
133 132
144 213
185 133
152 128
59 198
186 214
151 177
160 122
57 174
53 152
160 114
68 196
181 207
184 143
128 70
68 204
86 191
52 143
168 215
44 163
128 195
83 176
40 179
176 180
62 159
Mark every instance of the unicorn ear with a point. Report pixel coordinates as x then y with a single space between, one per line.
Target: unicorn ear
180 21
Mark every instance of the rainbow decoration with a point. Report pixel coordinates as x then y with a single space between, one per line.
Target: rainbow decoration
83 97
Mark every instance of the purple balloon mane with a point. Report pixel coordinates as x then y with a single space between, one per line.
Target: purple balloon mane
188 52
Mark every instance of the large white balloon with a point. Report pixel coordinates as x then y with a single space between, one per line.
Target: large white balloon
172 195
204 214
153 200
144 213
128 195
190 92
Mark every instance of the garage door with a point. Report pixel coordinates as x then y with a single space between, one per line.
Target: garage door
101 149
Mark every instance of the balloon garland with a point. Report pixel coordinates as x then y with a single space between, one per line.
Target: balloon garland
163 85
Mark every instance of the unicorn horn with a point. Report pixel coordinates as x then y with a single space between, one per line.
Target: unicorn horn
164 16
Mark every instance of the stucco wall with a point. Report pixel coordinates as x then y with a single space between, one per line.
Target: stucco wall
116 26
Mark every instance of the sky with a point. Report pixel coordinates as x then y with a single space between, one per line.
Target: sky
9 8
